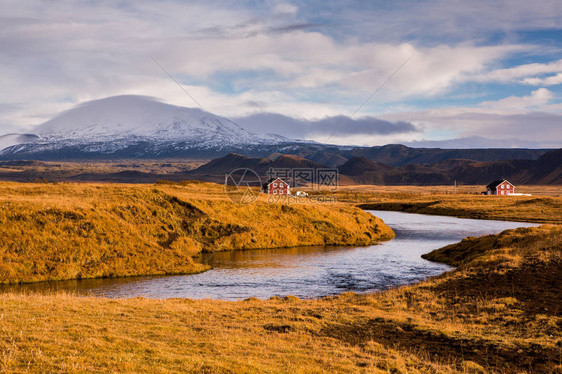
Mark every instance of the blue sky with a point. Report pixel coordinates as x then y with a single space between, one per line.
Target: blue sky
476 69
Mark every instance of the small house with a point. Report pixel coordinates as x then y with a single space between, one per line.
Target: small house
276 186
500 187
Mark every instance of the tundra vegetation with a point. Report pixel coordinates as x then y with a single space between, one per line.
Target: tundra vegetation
544 206
499 311
69 231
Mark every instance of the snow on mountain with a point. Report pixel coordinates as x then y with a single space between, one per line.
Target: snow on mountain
138 124
9 140
132 116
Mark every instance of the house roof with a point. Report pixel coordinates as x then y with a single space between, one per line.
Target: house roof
494 184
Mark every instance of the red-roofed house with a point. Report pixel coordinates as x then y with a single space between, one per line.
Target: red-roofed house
276 186
500 187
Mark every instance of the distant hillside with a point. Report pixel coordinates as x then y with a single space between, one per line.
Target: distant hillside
398 155
547 169
216 169
365 171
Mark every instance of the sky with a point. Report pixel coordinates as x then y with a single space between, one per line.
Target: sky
424 73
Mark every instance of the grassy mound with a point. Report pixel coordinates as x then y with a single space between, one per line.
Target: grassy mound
507 208
69 231
524 264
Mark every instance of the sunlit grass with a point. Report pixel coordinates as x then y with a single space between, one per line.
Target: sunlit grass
435 200
67 231
456 323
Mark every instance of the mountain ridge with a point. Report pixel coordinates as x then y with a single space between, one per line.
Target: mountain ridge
360 170
135 126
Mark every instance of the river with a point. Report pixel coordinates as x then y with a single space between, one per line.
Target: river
306 272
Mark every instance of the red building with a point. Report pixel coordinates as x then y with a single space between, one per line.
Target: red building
500 187
276 186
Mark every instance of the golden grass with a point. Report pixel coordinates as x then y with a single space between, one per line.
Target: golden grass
500 311
460 322
433 200
67 231
58 169
535 190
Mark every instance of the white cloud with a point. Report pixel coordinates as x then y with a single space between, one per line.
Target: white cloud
59 54
285 8
537 98
304 59
510 118
527 73
552 80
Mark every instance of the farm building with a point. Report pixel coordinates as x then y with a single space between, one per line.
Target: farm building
500 187
276 186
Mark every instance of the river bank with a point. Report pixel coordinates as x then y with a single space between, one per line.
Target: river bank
488 315
79 231
424 200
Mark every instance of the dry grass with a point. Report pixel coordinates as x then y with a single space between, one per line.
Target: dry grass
499 311
438 326
67 231
69 168
535 190
434 200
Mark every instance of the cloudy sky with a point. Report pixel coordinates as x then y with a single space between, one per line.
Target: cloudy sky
482 72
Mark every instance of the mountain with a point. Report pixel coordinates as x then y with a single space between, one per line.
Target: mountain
129 127
364 171
398 155
9 140
135 126
547 169
215 170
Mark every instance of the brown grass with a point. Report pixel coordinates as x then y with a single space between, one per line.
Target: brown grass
499 311
67 231
434 200
460 322
535 190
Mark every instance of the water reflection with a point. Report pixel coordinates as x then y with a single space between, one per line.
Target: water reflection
303 271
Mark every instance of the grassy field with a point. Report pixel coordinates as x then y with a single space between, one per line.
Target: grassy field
499 311
535 190
69 230
99 170
545 206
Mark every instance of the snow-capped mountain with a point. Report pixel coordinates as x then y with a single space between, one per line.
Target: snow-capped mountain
136 126
9 140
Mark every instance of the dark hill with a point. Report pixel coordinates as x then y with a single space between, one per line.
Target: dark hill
215 170
547 169
398 155
359 165
365 171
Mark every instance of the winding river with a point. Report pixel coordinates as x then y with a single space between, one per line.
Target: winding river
306 272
